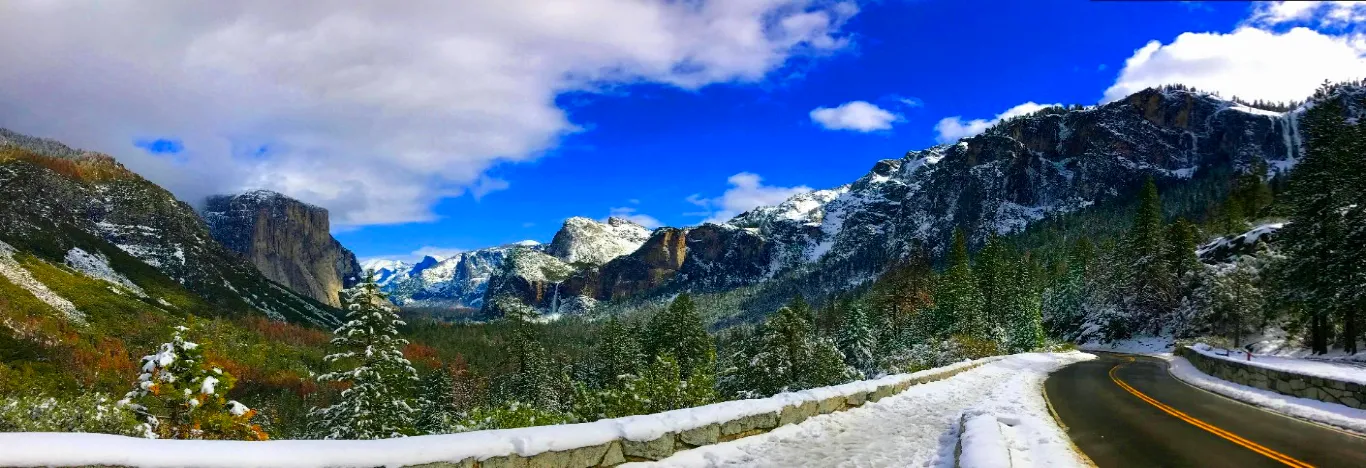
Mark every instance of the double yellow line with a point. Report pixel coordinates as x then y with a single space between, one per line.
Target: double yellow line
1231 437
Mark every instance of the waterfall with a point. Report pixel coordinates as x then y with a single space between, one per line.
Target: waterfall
555 301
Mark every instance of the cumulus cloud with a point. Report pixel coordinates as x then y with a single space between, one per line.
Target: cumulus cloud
858 116
1249 63
373 110
950 129
1323 14
630 214
746 192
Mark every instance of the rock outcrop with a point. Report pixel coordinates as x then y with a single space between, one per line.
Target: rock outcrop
288 240
56 199
585 241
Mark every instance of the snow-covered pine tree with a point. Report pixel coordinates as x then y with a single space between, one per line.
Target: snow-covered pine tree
957 301
1149 292
1064 301
618 354
179 396
1024 329
437 410
856 340
994 273
679 331
533 381
1323 240
1236 300
377 403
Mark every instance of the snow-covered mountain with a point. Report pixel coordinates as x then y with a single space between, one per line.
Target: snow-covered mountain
1016 173
462 279
583 240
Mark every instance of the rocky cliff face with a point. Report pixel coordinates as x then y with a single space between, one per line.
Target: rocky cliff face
288 241
1018 172
57 199
458 281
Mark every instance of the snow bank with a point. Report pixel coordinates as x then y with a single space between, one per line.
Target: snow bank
982 444
15 273
1314 410
44 449
1148 345
918 427
1327 370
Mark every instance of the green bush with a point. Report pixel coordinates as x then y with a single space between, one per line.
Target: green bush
84 413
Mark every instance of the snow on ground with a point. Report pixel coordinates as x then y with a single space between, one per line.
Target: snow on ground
67 449
15 273
1319 411
1327 370
1148 345
96 266
918 427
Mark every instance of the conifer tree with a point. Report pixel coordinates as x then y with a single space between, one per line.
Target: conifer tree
618 353
678 331
856 340
1024 328
532 379
179 396
1149 291
369 350
994 272
437 410
1236 300
957 301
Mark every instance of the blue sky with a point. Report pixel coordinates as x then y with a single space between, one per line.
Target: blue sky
434 126
648 147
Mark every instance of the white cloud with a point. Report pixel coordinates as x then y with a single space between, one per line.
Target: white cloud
1249 63
373 110
746 192
950 129
859 116
631 215
1323 14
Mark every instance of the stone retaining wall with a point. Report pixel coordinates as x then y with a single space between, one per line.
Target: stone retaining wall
621 451
1297 385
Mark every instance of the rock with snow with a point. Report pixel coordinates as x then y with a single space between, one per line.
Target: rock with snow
585 241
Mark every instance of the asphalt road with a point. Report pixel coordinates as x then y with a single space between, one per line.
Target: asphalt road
1126 411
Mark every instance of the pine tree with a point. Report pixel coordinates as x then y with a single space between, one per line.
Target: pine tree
784 355
1149 292
179 396
1064 302
1323 242
532 379
678 331
618 353
438 412
994 273
1024 329
957 301
1182 237
377 402
856 340
1236 300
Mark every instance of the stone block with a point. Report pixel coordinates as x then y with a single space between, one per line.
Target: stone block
614 455
1353 387
549 460
1298 384
705 435
466 463
656 449
586 457
762 421
831 405
1338 385
1283 387
1352 402
856 399
794 414
508 461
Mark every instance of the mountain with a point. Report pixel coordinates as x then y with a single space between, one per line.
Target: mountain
62 203
462 280
583 240
288 241
1018 172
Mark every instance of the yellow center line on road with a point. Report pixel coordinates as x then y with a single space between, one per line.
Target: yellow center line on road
1231 437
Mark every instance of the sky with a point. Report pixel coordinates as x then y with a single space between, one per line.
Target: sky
431 127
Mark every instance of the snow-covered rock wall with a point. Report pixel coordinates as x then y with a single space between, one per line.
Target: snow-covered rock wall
1351 393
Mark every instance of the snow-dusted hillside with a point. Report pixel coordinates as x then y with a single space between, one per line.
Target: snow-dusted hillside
583 240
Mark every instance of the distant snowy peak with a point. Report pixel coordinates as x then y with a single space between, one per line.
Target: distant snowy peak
386 270
805 207
583 240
